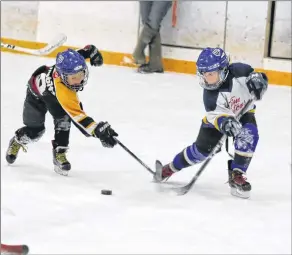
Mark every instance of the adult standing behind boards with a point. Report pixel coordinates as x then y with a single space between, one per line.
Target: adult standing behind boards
152 14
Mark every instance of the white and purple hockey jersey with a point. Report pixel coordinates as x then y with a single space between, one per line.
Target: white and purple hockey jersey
230 98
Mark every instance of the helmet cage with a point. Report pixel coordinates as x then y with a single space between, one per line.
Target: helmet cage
223 73
75 87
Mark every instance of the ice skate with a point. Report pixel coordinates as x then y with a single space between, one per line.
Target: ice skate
238 184
61 164
162 172
13 149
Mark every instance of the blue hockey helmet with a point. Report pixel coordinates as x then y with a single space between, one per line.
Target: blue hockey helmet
70 63
212 60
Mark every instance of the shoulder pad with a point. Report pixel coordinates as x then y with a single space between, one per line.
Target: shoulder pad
240 70
41 69
210 99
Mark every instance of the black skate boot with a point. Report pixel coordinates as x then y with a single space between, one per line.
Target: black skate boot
13 149
162 172
238 184
62 165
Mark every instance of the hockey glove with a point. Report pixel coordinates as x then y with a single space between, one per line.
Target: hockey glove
95 56
257 84
230 126
106 134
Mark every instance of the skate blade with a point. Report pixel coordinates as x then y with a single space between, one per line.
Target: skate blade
158 173
157 179
58 170
238 193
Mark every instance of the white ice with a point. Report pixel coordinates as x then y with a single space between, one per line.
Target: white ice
156 116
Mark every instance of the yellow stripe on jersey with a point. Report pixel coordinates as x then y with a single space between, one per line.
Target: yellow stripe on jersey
91 128
205 120
69 101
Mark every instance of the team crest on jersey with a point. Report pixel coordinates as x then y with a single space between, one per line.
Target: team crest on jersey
236 104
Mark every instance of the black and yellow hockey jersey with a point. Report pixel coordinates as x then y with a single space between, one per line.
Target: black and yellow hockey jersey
45 84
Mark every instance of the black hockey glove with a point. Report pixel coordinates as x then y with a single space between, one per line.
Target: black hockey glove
106 134
230 126
95 56
257 84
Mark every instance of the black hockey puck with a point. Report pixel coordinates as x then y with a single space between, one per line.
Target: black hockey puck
106 192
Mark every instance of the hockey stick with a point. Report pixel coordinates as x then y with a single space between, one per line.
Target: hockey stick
14 249
185 189
227 148
54 44
135 157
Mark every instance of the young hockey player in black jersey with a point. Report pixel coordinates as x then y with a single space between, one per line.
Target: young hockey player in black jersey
54 89
227 88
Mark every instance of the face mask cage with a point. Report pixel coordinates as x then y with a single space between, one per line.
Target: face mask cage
77 87
222 73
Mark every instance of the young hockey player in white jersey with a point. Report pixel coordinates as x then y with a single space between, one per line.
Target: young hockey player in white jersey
227 88
55 89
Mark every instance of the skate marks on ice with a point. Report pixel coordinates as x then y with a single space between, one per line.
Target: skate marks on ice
6 211
209 191
25 173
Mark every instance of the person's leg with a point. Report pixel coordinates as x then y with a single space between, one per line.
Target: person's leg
158 11
60 145
34 111
62 131
145 8
155 57
193 154
146 34
245 144
155 54
62 123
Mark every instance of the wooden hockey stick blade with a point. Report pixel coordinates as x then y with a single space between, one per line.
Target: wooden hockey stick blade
50 47
57 42
14 249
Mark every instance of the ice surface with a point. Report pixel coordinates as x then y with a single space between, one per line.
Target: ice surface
156 116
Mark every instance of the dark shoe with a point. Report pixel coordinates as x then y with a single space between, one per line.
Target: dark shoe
146 68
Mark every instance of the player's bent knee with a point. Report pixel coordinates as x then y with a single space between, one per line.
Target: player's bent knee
246 142
29 134
193 154
245 145
62 124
